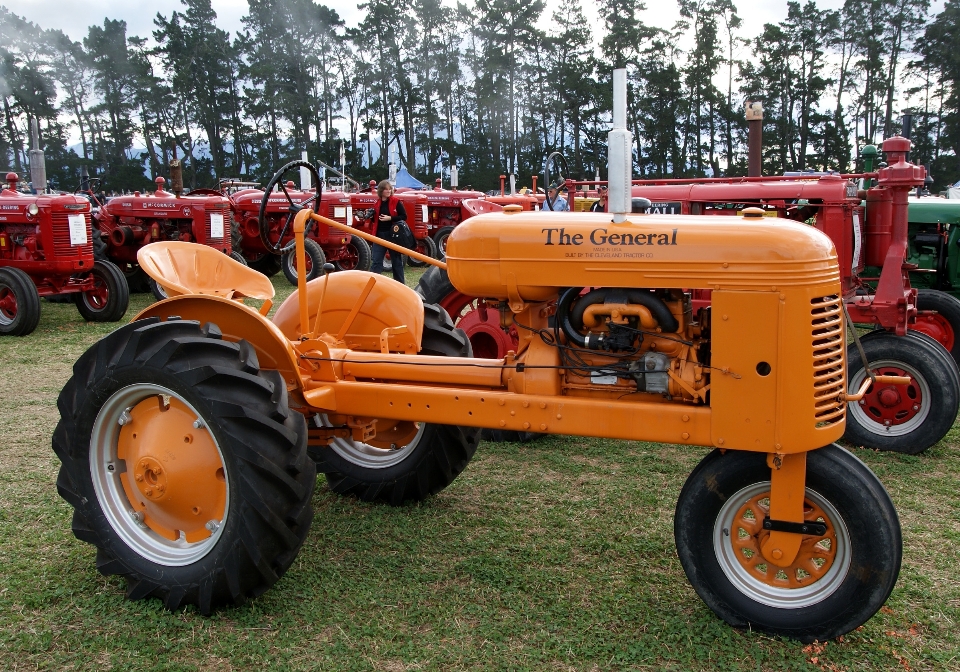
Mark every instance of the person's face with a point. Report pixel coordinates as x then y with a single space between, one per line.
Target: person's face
387 192
603 194
553 193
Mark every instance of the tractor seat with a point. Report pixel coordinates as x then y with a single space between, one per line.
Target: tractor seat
190 268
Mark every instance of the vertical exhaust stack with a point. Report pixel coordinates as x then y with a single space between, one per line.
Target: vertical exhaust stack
620 148
38 165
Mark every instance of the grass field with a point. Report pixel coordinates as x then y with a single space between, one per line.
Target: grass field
554 555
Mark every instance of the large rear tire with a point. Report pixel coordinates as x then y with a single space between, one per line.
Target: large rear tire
424 246
110 297
212 522
902 418
440 240
19 303
426 457
486 339
266 263
944 326
837 582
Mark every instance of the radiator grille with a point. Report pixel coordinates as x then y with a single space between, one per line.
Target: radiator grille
828 359
62 248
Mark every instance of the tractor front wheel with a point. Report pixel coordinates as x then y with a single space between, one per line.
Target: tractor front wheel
184 465
944 325
109 298
19 303
315 260
357 256
837 581
405 461
902 418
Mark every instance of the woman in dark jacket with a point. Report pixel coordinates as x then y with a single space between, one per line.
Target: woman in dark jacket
389 210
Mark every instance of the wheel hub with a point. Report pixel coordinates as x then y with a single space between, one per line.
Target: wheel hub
8 304
174 474
937 327
893 405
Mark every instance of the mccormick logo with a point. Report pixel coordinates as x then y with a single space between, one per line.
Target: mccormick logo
11 207
559 236
159 205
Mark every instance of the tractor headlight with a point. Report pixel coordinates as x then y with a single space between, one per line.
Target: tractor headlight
33 209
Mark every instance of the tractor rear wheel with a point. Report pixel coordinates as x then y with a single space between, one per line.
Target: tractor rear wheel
424 246
837 581
100 246
944 326
138 281
357 256
185 466
315 260
440 239
482 327
109 298
902 418
19 303
409 461
236 256
266 263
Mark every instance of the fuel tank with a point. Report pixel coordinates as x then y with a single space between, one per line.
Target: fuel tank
528 255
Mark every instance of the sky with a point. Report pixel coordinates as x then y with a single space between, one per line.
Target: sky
75 16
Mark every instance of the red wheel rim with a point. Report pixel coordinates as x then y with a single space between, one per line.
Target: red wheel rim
349 257
421 248
97 297
938 328
481 324
8 303
308 262
892 405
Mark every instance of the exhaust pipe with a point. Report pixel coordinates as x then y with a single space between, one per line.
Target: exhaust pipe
620 148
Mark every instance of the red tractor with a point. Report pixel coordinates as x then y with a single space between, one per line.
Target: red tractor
266 234
128 223
905 418
47 250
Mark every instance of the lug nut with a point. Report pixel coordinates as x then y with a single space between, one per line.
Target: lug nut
213 525
198 424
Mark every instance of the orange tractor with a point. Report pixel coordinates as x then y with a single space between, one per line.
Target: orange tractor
190 438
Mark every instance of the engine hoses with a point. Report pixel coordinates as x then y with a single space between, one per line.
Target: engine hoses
571 321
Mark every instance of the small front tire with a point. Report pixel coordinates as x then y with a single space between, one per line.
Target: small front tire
315 260
19 303
424 246
110 297
837 582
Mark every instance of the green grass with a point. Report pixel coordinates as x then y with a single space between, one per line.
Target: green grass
554 555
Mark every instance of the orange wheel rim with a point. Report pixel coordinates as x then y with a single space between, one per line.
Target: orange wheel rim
813 561
174 474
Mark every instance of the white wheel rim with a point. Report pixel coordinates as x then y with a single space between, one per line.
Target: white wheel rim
368 456
113 500
870 423
764 593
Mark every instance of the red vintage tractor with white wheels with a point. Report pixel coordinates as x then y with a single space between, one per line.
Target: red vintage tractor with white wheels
265 218
128 223
47 251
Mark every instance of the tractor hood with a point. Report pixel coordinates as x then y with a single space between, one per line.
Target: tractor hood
528 255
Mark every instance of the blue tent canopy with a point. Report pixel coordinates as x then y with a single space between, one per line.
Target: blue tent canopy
405 179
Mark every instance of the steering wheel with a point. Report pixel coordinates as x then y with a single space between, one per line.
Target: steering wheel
546 174
293 207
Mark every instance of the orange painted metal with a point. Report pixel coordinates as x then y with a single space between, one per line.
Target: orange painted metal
174 471
187 268
772 379
787 491
814 558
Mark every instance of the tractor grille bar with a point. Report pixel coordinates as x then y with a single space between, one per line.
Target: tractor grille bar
62 248
220 209
828 359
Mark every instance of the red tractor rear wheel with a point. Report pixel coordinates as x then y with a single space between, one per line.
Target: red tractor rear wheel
356 256
19 303
944 325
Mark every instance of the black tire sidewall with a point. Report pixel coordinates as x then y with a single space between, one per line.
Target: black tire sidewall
440 238
430 249
836 475
118 295
28 302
